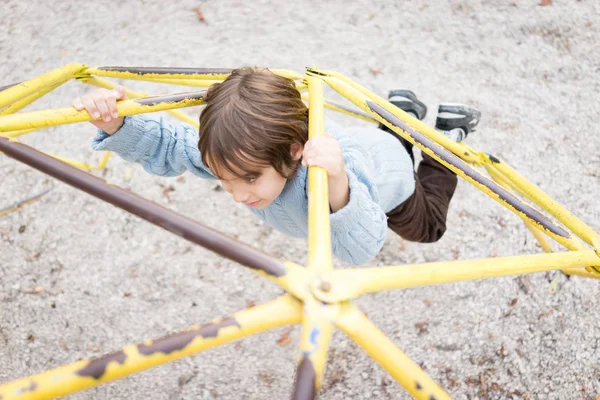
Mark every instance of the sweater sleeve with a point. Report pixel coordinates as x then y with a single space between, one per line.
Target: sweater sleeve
161 147
359 229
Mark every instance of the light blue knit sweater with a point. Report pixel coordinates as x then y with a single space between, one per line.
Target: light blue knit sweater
379 170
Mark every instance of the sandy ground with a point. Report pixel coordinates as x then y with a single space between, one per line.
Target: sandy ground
110 279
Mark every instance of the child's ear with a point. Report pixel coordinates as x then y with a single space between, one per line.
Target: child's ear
296 150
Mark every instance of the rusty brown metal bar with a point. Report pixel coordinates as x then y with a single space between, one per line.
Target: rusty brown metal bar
306 381
151 212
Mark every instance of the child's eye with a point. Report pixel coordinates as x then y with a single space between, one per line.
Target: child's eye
250 180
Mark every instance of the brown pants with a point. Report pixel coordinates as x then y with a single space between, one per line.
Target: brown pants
422 217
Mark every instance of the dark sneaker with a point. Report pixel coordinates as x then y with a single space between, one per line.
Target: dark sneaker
407 100
457 120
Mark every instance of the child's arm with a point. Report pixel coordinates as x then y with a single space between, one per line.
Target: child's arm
359 226
161 147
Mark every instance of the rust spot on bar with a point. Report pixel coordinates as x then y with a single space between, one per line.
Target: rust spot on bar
493 159
432 397
97 367
418 386
451 159
306 380
151 101
167 70
315 72
178 341
32 386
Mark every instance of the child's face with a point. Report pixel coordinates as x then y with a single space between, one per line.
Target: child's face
255 191
261 186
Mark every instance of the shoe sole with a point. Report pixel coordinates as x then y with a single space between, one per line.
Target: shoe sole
453 115
407 101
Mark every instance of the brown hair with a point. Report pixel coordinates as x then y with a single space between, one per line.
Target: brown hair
252 118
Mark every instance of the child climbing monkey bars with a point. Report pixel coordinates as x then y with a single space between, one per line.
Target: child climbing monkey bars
318 297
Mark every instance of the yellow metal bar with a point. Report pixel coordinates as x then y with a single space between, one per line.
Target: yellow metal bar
22 203
342 84
74 163
543 200
102 163
84 374
98 82
581 272
317 328
416 382
537 234
367 280
27 88
18 105
319 229
60 116
287 73
574 244
344 110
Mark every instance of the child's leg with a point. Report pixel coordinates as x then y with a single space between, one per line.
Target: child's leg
422 217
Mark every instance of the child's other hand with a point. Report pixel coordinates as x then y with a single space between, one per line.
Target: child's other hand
102 103
325 152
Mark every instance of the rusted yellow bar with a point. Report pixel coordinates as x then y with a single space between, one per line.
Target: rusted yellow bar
543 200
98 82
319 229
591 271
344 110
60 116
537 234
102 163
151 73
416 382
32 86
18 105
572 244
369 280
84 374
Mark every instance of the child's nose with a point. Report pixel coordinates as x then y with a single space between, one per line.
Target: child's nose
240 197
